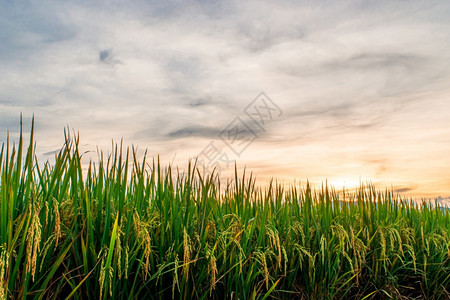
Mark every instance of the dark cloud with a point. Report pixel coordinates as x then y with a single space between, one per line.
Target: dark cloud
241 127
196 103
206 132
105 56
343 117
361 63
334 110
404 189
373 61
381 73
49 153
345 126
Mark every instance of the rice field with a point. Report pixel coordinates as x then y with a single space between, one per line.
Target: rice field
128 228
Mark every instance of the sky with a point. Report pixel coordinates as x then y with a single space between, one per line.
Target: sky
337 91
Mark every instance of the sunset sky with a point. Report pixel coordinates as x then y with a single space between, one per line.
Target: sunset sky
359 90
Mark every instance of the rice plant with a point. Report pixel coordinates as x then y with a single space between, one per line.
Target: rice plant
132 229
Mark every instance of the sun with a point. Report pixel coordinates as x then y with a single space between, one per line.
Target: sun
348 182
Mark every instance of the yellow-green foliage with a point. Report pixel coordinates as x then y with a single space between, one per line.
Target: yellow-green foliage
132 230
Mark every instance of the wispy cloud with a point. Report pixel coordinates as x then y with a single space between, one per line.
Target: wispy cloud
195 132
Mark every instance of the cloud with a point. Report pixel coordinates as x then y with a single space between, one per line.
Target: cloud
374 61
105 56
53 152
353 80
402 190
195 132
196 103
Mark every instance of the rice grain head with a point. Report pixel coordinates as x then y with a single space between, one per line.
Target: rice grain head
33 240
57 230
4 271
186 253
212 269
